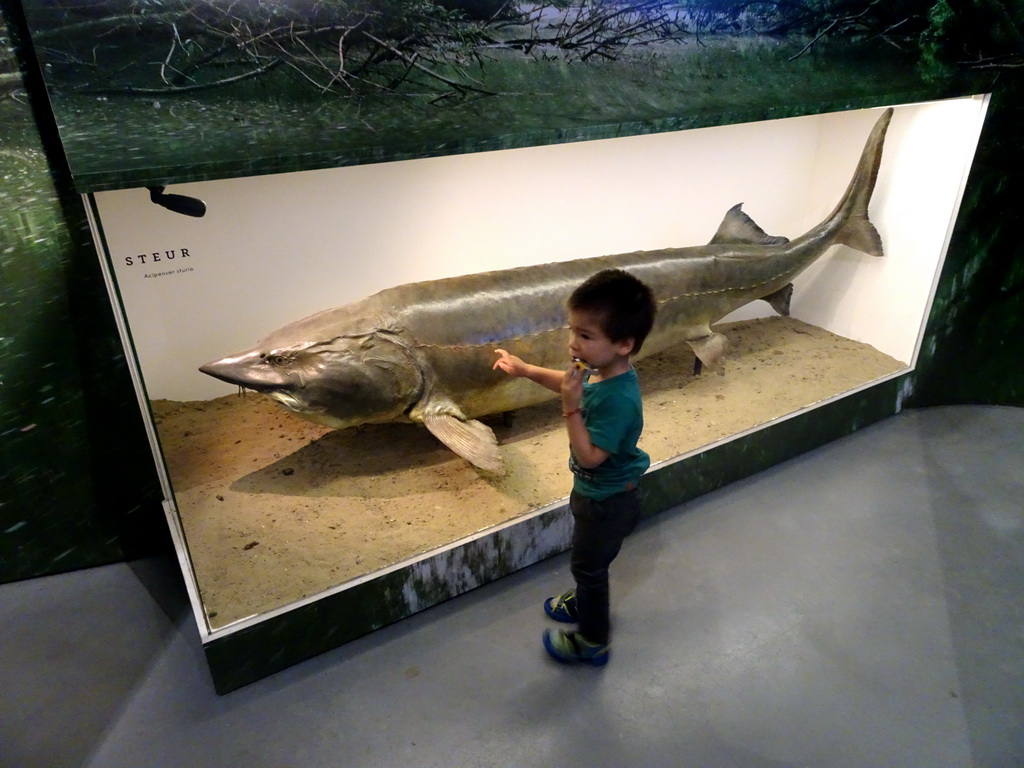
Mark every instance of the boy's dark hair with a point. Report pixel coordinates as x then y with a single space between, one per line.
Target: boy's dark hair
625 304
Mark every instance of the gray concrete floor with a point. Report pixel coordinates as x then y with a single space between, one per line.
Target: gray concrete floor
858 606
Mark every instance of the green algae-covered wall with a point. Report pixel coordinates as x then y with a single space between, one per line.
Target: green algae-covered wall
972 342
77 481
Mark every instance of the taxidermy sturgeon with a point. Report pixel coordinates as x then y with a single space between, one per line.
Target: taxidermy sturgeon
423 352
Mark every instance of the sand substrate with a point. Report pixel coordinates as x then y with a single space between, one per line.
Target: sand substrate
275 508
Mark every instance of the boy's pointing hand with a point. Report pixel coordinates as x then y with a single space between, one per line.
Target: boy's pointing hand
510 364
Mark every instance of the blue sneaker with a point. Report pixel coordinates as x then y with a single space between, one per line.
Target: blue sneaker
571 648
563 607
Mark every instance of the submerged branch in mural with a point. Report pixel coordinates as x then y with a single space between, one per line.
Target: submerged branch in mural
436 48
394 46
182 46
584 30
423 352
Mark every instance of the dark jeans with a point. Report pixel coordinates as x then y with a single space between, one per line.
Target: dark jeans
598 530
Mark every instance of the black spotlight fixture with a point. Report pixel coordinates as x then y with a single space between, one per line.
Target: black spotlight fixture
189 206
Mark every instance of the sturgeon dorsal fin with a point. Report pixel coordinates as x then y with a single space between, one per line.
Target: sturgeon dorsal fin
737 227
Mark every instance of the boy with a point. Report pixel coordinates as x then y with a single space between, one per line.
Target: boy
610 315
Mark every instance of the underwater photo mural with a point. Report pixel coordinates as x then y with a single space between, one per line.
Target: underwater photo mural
202 88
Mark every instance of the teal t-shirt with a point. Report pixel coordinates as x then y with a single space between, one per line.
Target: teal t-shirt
614 417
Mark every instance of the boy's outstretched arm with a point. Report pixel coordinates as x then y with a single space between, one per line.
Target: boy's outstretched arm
514 366
569 384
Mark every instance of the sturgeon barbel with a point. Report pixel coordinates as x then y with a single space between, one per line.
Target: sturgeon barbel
423 352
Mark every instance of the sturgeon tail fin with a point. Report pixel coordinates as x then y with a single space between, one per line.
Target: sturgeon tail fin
856 230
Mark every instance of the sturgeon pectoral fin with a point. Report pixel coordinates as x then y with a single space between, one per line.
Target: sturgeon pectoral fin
780 299
709 349
472 440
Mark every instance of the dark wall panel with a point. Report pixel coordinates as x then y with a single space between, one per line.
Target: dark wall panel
77 482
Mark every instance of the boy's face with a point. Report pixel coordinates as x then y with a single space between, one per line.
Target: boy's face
588 342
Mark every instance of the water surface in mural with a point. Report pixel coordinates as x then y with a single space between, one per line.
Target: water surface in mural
198 88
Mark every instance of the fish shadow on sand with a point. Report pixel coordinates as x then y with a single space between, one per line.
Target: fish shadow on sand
381 461
350 462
